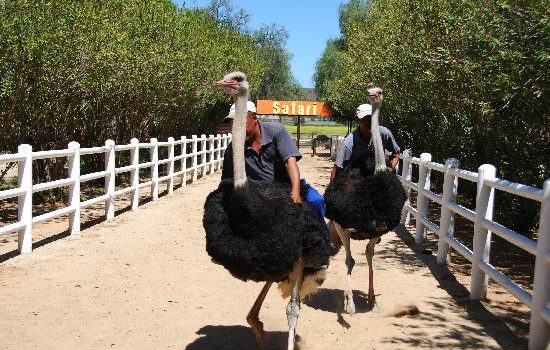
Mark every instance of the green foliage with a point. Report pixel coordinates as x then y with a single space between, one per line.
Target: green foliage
464 79
90 70
225 13
277 81
328 67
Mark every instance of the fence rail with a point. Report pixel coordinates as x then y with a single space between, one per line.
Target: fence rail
484 226
206 155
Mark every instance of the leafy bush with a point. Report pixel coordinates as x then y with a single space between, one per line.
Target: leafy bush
462 79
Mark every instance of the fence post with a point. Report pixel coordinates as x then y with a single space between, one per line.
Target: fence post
184 161
446 220
110 179
211 152
203 155
74 188
24 201
171 165
195 158
539 329
134 173
406 179
154 153
482 237
421 200
223 149
218 152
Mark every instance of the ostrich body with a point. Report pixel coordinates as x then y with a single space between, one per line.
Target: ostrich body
257 232
367 199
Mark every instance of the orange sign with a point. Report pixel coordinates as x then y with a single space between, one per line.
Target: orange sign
316 108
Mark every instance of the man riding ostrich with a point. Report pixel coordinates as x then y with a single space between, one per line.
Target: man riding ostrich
259 231
365 199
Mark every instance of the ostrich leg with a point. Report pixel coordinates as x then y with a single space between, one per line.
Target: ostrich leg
252 317
369 252
293 307
348 293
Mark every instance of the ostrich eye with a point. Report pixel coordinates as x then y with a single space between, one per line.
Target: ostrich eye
239 79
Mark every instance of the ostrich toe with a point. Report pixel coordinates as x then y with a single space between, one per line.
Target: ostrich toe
349 305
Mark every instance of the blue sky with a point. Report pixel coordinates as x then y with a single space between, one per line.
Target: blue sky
310 24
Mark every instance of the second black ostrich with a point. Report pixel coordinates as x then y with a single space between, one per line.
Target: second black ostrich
365 202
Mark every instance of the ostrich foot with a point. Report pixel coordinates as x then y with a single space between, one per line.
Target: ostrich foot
258 329
254 320
349 305
371 299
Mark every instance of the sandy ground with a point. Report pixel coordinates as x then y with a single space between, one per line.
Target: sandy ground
144 281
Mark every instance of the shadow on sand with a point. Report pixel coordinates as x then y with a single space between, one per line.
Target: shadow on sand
237 338
493 325
332 300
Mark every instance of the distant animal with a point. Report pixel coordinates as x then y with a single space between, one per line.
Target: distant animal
258 233
364 202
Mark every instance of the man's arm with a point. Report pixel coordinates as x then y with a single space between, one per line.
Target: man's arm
294 175
391 145
334 171
394 161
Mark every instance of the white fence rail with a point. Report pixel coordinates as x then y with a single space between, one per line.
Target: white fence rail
484 226
206 155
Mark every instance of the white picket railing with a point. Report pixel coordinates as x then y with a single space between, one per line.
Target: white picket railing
206 155
484 226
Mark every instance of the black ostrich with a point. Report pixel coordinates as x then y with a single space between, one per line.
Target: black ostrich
257 232
364 202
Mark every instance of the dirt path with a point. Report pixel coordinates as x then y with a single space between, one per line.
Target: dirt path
144 281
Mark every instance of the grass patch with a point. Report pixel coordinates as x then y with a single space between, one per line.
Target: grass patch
319 129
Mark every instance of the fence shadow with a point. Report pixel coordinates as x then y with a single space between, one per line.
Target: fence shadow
88 220
493 325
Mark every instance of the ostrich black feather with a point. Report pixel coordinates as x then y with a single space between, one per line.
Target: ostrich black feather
257 232
364 201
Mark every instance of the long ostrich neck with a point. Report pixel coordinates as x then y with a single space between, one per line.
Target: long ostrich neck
379 161
239 135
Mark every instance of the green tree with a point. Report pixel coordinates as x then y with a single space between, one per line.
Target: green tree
462 79
87 71
278 81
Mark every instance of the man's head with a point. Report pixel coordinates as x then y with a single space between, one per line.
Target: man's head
251 118
250 107
364 114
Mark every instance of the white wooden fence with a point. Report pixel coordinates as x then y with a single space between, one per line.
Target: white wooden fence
195 153
484 226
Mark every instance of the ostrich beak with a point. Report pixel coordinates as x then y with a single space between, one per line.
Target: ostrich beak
375 94
228 86
223 83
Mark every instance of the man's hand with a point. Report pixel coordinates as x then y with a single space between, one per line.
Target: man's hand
294 176
296 198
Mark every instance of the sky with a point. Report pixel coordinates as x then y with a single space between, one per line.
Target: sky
310 23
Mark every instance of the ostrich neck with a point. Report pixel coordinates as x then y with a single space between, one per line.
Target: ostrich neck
379 161
239 135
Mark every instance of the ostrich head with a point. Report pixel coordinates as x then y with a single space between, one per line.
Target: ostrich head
375 96
234 84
